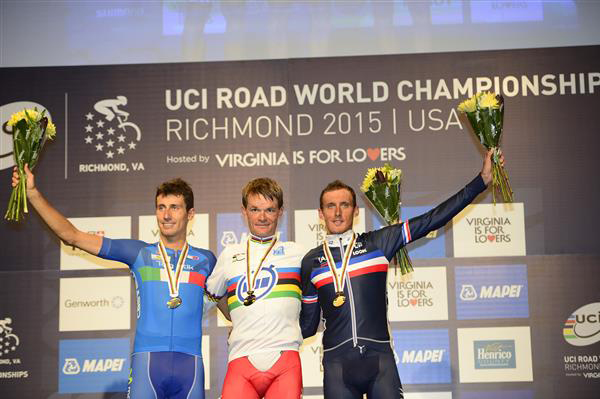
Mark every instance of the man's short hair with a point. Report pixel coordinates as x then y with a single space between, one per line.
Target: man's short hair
176 187
264 186
337 185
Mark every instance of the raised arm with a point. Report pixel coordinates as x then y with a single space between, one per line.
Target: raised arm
55 220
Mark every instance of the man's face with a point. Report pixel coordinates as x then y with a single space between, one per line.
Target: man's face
338 211
262 215
172 217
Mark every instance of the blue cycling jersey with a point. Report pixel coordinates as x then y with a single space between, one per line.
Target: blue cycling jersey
160 328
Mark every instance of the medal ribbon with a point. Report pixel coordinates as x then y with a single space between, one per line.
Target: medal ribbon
166 260
251 287
339 283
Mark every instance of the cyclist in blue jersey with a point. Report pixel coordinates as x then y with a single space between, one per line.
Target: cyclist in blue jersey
170 278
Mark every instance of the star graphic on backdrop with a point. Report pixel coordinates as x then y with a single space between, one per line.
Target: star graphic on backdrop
132 145
99 136
88 128
121 138
89 116
120 150
110 154
110 131
88 140
100 123
99 147
110 143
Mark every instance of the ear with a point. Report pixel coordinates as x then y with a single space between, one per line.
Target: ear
190 214
321 216
280 212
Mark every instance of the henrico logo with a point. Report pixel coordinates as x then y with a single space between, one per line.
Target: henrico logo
582 328
469 293
423 356
494 354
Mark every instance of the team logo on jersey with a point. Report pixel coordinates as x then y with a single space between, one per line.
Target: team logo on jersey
265 282
279 251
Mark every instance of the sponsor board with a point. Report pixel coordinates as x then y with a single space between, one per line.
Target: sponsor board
491 292
423 297
433 245
311 357
497 354
95 303
407 395
423 356
232 229
504 394
109 138
197 230
72 258
310 230
11 364
582 329
93 365
482 230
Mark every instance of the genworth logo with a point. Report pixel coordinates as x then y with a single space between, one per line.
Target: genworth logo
109 134
582 328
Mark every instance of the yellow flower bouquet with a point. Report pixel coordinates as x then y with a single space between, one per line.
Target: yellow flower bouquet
30 130
485 112
382 188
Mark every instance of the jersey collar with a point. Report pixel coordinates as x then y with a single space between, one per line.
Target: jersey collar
333 240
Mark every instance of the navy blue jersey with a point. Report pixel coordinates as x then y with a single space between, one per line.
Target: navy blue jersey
160 328
362 319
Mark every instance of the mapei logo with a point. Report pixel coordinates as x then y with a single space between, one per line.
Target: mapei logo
98 365
265 281
71 366
496 354
423 356
488 292
469 293
230 238
582 328
93 365
6 138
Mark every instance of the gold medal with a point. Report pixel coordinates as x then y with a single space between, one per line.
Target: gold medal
251 281
339 299
250 299
174 302
338 280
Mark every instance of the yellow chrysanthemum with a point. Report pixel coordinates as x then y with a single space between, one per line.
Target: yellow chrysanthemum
368 180
488 100
468 105
51 130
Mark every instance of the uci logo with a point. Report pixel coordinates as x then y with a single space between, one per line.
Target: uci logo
265 281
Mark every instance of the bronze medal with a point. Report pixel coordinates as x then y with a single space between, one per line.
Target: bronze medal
174 302
339 299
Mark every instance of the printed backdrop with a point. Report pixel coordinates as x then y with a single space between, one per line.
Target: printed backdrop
505 299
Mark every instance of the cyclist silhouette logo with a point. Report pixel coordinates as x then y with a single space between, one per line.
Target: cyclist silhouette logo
8 341
108 129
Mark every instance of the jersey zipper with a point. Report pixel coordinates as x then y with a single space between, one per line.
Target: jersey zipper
351 298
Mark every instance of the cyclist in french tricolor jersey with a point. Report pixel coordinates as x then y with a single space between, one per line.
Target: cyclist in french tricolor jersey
170 278
260 281
345 279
